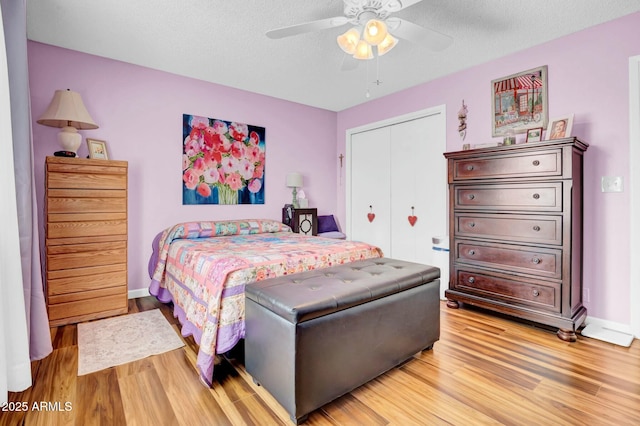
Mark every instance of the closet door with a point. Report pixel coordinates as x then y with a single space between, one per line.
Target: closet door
370 188
418 187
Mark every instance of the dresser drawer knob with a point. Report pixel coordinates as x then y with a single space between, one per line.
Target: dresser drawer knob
536 293
470 168
536 196
471 196
536 228
472 224
536 260
472 252
471 280
536 162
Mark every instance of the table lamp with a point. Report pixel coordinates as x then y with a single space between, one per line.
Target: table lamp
294 180
68 112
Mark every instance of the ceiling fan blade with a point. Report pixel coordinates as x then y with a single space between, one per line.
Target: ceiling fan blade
322 24
415 33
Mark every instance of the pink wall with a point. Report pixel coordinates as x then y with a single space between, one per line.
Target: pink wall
139 112
588 76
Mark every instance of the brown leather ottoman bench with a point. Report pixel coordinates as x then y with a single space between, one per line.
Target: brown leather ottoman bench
314 336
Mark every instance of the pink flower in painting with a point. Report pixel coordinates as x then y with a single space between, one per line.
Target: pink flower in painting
198 166
238 131
191 147
237 150
234 180
254 139
229 165
258 171
199 122
255 185
246 169
185 162
220 127
190 179
252 153
204 190
211 175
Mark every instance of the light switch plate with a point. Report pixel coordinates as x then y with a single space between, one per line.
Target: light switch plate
612 184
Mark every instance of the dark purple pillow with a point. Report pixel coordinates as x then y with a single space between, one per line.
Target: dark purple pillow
327 224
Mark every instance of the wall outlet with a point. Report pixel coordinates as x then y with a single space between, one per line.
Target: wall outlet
586 295
612 184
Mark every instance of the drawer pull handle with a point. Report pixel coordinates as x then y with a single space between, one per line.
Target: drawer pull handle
472 224
536 260
470 168
536 162
472 252
471 280
536 228
471 196
536 196
536 293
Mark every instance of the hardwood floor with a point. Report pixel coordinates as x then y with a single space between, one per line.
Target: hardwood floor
484 370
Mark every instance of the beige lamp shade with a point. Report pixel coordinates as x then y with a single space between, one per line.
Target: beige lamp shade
294 180
67 109
68 112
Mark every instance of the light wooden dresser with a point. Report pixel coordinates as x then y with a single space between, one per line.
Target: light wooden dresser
515 231
85 239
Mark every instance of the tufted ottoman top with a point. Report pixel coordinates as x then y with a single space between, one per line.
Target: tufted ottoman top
307 295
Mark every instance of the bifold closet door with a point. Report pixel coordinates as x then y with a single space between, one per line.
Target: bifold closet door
370 188
418 187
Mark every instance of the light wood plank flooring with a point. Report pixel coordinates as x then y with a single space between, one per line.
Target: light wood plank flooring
484 370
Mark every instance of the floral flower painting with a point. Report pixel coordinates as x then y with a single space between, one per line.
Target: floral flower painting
223 162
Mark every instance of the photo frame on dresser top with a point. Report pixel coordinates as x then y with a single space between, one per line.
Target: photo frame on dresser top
519 102
560 127
97 149
534 135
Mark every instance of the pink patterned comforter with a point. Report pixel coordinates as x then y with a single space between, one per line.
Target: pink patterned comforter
202 268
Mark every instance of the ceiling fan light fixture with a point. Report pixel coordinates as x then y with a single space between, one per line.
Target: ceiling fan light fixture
375 31
387 44
363 50
349 40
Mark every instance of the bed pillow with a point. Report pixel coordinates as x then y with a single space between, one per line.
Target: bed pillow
327 224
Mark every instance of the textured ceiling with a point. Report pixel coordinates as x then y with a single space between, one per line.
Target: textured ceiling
224 41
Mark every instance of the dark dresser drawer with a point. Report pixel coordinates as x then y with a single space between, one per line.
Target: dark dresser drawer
527 196
511 258
509 227
547 164
514 291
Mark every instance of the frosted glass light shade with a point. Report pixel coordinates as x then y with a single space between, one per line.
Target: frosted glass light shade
363 50
349 40
294 180
375 31
387 44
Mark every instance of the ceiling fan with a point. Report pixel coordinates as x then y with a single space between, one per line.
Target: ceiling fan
372 26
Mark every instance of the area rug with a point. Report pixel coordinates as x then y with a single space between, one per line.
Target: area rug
118 340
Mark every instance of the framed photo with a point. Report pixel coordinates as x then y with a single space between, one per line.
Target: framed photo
534 135
560 127
520 102
97 149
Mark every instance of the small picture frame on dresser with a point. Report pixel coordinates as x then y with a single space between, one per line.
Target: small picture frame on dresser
560 127
97 149
534 135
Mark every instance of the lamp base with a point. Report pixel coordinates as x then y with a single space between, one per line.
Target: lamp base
64 154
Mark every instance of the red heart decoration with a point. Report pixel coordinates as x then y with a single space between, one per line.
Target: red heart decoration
371 216
412 220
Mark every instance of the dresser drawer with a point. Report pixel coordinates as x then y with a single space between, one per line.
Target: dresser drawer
528 197
71 257
509 227
87 178
101 201
84 283
99 307
511 258
86 228
514 291
547 164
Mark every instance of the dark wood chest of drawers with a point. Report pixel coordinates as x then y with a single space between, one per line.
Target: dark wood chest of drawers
515 229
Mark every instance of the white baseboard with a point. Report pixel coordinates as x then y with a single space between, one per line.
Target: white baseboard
139 292
611 325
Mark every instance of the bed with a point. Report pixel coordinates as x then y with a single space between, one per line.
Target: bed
202 267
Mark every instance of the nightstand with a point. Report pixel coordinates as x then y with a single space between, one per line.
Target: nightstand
302 221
